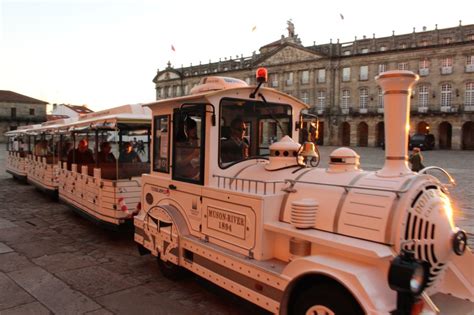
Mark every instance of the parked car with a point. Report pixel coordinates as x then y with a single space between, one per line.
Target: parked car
422 141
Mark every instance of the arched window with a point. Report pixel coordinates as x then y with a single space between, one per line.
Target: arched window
363 98
469 96
446 95
346 96
423 92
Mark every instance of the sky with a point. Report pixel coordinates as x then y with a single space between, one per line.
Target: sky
105 53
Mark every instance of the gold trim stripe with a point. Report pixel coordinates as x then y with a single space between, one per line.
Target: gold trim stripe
397 158
395 92
398 75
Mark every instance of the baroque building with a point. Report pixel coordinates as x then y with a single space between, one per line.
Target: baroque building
337 81
17 109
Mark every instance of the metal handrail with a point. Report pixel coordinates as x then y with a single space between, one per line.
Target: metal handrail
451 179
238 184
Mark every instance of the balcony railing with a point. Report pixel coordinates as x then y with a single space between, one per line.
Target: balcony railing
380 110
470 68
424 72
363 110
446 70
469 108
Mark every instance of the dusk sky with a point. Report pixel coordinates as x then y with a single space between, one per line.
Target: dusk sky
105 53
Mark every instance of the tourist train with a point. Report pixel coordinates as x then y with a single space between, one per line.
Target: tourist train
232 196
93 163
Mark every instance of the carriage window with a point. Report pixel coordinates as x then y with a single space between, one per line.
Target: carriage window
161 144
188 135
248 127
133 151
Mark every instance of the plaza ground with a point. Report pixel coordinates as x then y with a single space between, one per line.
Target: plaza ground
53 261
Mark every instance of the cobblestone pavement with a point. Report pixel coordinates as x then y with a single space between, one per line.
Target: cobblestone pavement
53 261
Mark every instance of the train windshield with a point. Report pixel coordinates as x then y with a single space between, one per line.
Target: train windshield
249 127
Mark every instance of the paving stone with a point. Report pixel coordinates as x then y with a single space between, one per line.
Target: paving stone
6 224
40 248
52 292
96 281
11 294
4 248
34 308
140 300
64 261
13 261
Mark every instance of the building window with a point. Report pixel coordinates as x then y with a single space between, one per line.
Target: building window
321 100
289 78
274 80
380 98
364 50
423 93
186 89
469 96
345 100
346 74
346 53
170 91
321 75
364 73
446 95
447 65
32 111
470 37
382 68
424 67
13 112
304 97
383 48
177 90
402 66
424 43
470 63
403 46
304 77
447 40
363 98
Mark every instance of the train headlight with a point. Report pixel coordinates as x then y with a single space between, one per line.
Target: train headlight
407 274
459 242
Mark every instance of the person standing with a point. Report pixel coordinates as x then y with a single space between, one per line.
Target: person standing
416 160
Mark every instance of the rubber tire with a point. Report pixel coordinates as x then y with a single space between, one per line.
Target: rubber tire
170 270
329 294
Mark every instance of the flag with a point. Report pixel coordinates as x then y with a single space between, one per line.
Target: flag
254 28
172 48
342 16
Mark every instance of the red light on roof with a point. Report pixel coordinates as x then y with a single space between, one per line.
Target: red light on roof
262 75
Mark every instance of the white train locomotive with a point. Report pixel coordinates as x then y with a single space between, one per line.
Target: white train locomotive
228 202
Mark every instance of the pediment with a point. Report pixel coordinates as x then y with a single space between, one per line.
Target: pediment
167 75
288 54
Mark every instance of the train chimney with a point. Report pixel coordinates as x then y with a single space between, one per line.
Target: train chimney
396 86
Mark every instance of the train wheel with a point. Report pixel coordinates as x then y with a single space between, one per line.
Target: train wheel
170 270
325 298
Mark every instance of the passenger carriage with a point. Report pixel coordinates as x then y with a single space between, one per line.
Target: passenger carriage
233 197
20 148
102 157
44 161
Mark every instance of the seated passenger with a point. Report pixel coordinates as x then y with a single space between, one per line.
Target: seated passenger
128 155
82 155
188 152
105 156
236 147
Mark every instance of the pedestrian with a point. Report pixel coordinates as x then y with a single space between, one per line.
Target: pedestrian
416 160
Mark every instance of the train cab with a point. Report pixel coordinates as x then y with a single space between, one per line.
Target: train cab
102 156
235 198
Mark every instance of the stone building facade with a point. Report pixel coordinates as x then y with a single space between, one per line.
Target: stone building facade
337 81
17 110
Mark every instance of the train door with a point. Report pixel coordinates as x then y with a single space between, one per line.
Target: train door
188 143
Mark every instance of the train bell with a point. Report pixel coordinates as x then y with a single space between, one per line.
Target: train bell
309 150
